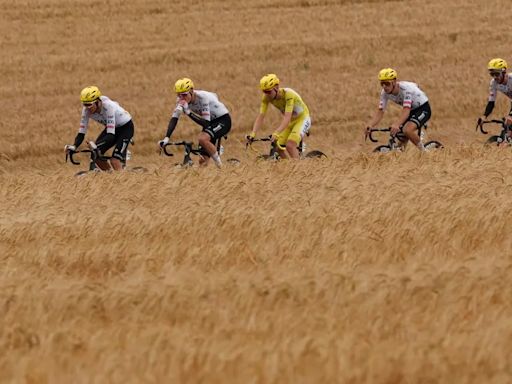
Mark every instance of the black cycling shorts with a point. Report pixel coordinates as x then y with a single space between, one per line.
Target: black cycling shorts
218 128
121 141
420 115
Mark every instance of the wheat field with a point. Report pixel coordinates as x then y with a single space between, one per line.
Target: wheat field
358 268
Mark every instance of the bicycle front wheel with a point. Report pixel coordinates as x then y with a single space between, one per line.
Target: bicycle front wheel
382 149
494 140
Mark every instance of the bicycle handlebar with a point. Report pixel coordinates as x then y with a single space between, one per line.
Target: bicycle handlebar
187 144
251 140
94 154
370 131
369 134
480 124
70 154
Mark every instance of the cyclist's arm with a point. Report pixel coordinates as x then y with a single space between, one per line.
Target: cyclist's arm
261 117
291 100
197 119
84 123
488 108
111 120
203 119
406 111
377 117
493 90
258 123
287 117
174 120
171 126
79 139
111 124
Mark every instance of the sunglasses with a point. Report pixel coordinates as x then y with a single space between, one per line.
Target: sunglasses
88 105
385 83
268 92
495 73
183 95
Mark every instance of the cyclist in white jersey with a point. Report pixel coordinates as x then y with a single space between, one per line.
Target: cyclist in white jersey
118 130
501 81
416 108
205 109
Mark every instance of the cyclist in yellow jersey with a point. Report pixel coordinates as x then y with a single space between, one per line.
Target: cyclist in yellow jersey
296 120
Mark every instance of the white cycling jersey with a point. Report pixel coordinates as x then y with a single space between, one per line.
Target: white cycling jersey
112 115
409 96
506 88
206 105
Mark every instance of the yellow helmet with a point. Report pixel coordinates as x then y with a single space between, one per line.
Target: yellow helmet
497 65
268 82
387 74
90 94
183 85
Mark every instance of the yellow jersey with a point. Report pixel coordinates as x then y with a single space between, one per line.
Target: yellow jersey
288 101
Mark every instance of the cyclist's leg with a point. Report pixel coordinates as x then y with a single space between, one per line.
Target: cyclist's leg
210 135
103 145
410 129
282 143
205 141
204 157
297 131
281 150
123 136
417 119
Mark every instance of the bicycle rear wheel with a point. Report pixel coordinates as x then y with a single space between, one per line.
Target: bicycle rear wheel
137 169
267 157
315 154
433 145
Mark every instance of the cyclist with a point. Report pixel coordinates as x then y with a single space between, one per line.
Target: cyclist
118 130
296 120
205 109
415 106
500 81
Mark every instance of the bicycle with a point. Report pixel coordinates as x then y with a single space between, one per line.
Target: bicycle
95 155
396 140
495 139
274 153
190 149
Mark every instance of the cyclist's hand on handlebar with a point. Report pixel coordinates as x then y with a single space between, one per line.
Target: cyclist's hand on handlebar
275 136
508 120
250 137
163 142
69 148
394 129
95 150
